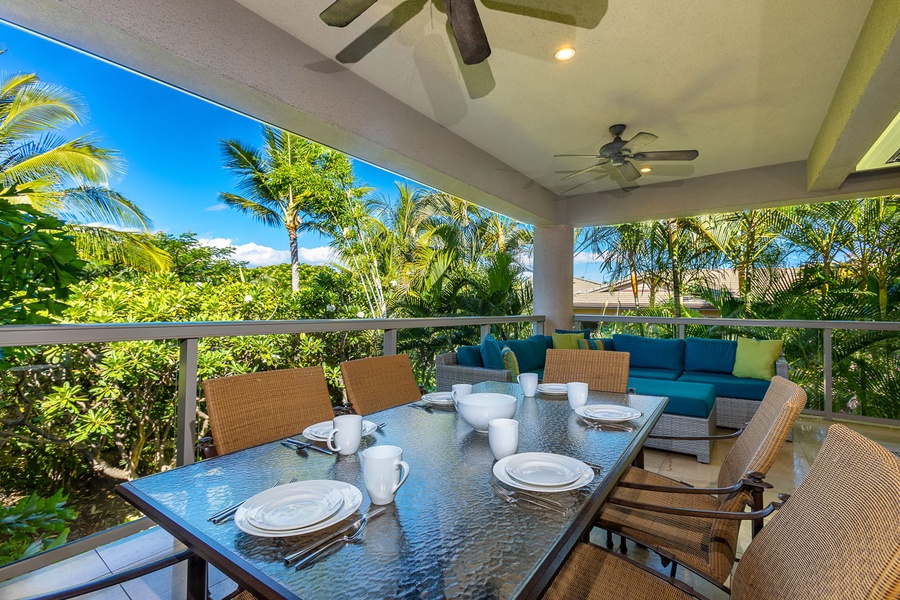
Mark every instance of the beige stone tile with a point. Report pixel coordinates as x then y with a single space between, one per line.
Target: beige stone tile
140 548
73 571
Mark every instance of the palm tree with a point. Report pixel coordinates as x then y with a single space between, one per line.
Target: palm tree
69 178
292 183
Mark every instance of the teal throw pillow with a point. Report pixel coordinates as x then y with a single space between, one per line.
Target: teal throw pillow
490 353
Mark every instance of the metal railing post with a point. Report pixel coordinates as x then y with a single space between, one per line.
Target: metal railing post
826 367
537 328
485 330
390 342
186 410
681 331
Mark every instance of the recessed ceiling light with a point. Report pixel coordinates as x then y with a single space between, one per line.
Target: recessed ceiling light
646 169
565 53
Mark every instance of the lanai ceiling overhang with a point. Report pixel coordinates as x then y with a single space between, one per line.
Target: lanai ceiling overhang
782 99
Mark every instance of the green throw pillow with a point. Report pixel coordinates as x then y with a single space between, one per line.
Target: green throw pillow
510 362
756 359
566 341
591 344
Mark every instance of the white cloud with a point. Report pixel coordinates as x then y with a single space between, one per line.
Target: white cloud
260 256
587 257
218 206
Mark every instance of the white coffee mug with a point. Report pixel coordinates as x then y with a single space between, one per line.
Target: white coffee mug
346 435
577 393
384 472
528 381
503 437
459 390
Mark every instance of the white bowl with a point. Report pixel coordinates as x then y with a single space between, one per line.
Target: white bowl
479 409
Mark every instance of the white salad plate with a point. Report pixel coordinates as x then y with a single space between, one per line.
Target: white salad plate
319 432
293 506
552 389
607 413
351 499
439 398
546 470
585 473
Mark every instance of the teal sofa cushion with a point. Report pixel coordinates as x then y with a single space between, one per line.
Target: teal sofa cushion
651 353
712 356
664 374
729 386
491 352
469 356
607 343
585 332
686 399
531 353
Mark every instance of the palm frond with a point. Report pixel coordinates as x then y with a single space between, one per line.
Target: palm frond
135 250
101 204
259 212
69 162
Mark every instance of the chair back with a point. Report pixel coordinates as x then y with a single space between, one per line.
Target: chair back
603 371
379 383
255 408
838 536
758 446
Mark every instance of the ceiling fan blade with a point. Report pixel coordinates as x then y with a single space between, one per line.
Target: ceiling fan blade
343 12
629 172
667 155
575 174
639 141
468 30
588 155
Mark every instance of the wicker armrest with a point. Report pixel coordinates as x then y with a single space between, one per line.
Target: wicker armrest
751 481
781 367
448 372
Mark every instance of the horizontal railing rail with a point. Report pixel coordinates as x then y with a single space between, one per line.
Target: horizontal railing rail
827 327
188 335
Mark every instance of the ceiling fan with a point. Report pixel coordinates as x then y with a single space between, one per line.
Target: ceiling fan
620 154
463 15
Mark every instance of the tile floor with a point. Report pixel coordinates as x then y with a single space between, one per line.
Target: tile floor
788 471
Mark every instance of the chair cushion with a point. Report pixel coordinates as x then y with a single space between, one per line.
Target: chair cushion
687 399
729 386
566 341
510 362
756 358
585 332
651 353
490 352
469 356
714 356
531 353
664 374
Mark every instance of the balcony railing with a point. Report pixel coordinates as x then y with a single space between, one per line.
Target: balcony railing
827 329
188 336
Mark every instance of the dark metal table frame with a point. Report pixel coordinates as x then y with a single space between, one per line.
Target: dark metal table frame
450 471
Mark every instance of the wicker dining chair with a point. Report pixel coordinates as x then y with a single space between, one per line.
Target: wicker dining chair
602 371
707 545
835 538
255 408
379 383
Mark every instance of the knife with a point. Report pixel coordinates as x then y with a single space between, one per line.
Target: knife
295 556
308 446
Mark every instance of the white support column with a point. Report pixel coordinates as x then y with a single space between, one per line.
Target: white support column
553 272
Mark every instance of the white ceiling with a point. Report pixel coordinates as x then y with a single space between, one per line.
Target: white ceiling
747 84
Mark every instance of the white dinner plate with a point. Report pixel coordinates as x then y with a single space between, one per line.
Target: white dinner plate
543 471
552 389
293 506
607 413
319 431
439 399
351 500
586 474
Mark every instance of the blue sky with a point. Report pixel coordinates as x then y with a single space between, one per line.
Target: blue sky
170 143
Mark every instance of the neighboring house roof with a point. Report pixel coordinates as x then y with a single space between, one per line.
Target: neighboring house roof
619 296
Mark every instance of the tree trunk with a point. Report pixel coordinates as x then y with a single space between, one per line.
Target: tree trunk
295 259
676 265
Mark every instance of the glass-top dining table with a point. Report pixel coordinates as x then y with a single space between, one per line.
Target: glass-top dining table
447 534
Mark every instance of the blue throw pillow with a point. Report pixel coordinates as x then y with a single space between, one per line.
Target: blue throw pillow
491 351
711 356
651 353
585 332
469 356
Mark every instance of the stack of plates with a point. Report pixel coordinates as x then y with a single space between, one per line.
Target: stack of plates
543 472
552 389
319 432
607 413
297 508
438 399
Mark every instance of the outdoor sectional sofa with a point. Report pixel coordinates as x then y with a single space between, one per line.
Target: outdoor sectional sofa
695 373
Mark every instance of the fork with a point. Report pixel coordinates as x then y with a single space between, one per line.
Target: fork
347 539
425 407
222 515
513 497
